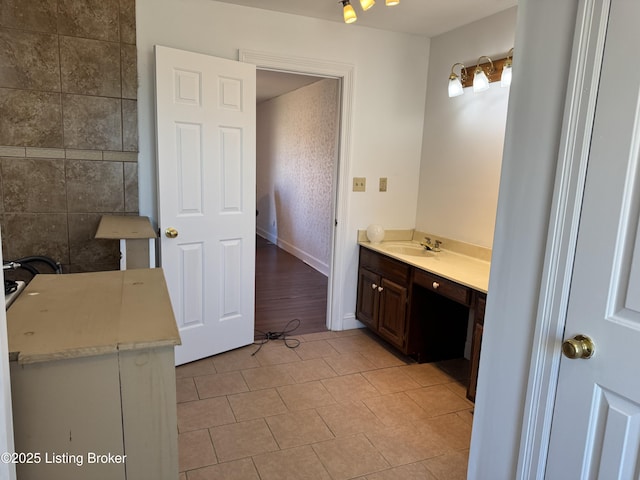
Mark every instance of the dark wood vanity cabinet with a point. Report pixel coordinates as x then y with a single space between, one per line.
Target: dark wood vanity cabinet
479 304
421 314
383 289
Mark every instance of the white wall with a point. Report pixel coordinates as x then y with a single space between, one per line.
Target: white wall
544 35
388 110
463 136
296 156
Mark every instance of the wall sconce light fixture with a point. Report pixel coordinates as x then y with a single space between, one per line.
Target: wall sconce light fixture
349 13
455 82
480 79
505 78
483 74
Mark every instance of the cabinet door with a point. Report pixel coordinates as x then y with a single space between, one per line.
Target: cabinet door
478 328
367 303
392 313
475 360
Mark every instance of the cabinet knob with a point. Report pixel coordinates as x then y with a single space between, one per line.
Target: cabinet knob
380 289
374 286
436 285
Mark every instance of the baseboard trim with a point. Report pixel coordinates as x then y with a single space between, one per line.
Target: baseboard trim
350 322
310 260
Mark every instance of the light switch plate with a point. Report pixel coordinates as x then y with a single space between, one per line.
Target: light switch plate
383 184
359 184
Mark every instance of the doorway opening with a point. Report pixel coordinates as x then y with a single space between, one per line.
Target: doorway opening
297 132
344 73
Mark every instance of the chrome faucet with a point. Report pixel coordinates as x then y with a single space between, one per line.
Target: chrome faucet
428 245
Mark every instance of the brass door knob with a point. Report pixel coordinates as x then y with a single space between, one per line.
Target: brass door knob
171 232
579 346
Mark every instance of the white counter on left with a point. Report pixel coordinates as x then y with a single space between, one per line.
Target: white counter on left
92 373
86 314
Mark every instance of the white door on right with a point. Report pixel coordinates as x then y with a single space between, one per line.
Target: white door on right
595 432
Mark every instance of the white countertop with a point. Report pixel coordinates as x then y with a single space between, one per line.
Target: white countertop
463 269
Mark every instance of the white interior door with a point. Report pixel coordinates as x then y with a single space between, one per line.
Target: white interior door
595 432
205 114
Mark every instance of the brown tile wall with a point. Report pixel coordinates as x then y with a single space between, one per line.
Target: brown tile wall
68 127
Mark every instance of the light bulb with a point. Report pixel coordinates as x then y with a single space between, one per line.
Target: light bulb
455 86
367 4
391 3
505 78
349 13
480 80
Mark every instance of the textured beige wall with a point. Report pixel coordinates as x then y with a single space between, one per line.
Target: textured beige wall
296 159
68 127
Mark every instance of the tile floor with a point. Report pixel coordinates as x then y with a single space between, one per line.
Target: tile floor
339 406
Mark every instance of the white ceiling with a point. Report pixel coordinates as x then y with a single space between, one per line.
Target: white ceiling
273 84
420 17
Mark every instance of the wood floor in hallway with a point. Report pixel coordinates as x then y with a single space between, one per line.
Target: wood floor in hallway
288 289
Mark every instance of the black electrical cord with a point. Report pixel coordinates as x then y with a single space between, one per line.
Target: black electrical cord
26 263
25 266
264 337
56 266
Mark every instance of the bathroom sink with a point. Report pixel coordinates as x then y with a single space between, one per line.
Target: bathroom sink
411 250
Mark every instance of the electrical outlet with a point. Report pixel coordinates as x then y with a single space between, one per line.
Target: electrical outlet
359 184
383 184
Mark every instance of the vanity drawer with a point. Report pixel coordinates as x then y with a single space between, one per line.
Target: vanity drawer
385 266
442 286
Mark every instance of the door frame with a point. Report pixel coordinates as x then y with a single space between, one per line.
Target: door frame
577 127
345 73
7 469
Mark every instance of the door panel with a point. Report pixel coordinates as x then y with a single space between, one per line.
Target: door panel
596 423
206 181
190 168
191 299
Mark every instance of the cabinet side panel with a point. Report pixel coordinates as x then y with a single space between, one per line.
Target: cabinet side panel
65 410
148 389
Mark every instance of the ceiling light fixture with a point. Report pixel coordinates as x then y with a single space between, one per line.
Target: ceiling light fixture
348 12
480 79
455 82
505 78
